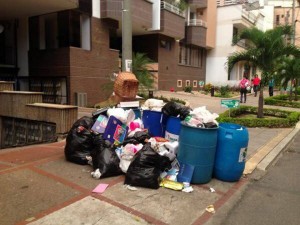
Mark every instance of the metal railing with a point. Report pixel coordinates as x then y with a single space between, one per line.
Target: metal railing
196 22
171 8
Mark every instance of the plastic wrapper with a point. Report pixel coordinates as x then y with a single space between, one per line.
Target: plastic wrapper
171 184
176 109
125 116
105 158
153 104
145 169
79 141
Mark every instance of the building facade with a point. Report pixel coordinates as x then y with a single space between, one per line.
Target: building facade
283 15
232 17
70 49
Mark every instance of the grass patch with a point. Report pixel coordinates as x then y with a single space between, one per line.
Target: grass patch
273 118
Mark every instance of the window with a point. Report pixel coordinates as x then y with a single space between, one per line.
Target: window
187 83
61 29
235 31
179 83
195 83
191 56
277 19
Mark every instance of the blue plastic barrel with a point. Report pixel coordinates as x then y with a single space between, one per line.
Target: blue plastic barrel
197 147
231 152
173 128
155 123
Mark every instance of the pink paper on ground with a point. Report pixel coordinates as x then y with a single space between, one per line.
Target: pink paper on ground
100 188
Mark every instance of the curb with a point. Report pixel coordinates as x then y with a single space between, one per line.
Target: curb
276 152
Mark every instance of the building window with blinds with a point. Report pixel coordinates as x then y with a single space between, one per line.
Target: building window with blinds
190 56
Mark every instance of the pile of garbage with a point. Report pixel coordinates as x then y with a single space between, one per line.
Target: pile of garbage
114 141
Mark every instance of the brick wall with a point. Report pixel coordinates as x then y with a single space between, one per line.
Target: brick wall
90 70
170 70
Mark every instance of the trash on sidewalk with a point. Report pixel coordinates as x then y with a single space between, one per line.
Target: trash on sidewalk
174 185
120 141
100 188
129 187
212 190
79 141
210 209
145 169
187 187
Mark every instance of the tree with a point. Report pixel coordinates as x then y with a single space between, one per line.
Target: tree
289 70
263 51
140 69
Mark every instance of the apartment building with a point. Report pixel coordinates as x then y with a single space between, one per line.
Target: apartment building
69 49
283 15
232 17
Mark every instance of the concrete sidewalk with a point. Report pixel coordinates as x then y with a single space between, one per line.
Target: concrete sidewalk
39 186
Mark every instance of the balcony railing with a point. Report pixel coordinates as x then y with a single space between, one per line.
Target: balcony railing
171 8
249 16
196 22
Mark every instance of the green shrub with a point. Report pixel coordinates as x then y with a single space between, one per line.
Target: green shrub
224 91
207 87
285 118
171 100
281 100
188 89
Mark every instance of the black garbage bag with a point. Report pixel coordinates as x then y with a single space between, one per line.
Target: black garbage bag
210 125
176 109
145 169
139 137
79 141
105 158
84 121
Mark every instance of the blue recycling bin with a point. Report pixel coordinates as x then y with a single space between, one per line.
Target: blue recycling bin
231 152
173 127
197 147
155 122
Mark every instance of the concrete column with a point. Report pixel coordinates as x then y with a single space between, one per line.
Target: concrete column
126 36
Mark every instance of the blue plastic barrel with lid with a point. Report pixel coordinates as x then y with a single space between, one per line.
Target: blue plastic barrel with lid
231 152
197 147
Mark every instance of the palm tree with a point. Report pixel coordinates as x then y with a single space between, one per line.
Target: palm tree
140 69
264 49
289 70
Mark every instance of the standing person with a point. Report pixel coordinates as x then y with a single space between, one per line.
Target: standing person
244 83
271 86
255 82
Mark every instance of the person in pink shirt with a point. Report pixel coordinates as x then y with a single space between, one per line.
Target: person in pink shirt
255 83
244 83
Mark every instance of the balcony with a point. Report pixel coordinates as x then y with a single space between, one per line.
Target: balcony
197 22
196 32
245 19
249 16
22 8
198 3
172 21
141 11
171 8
